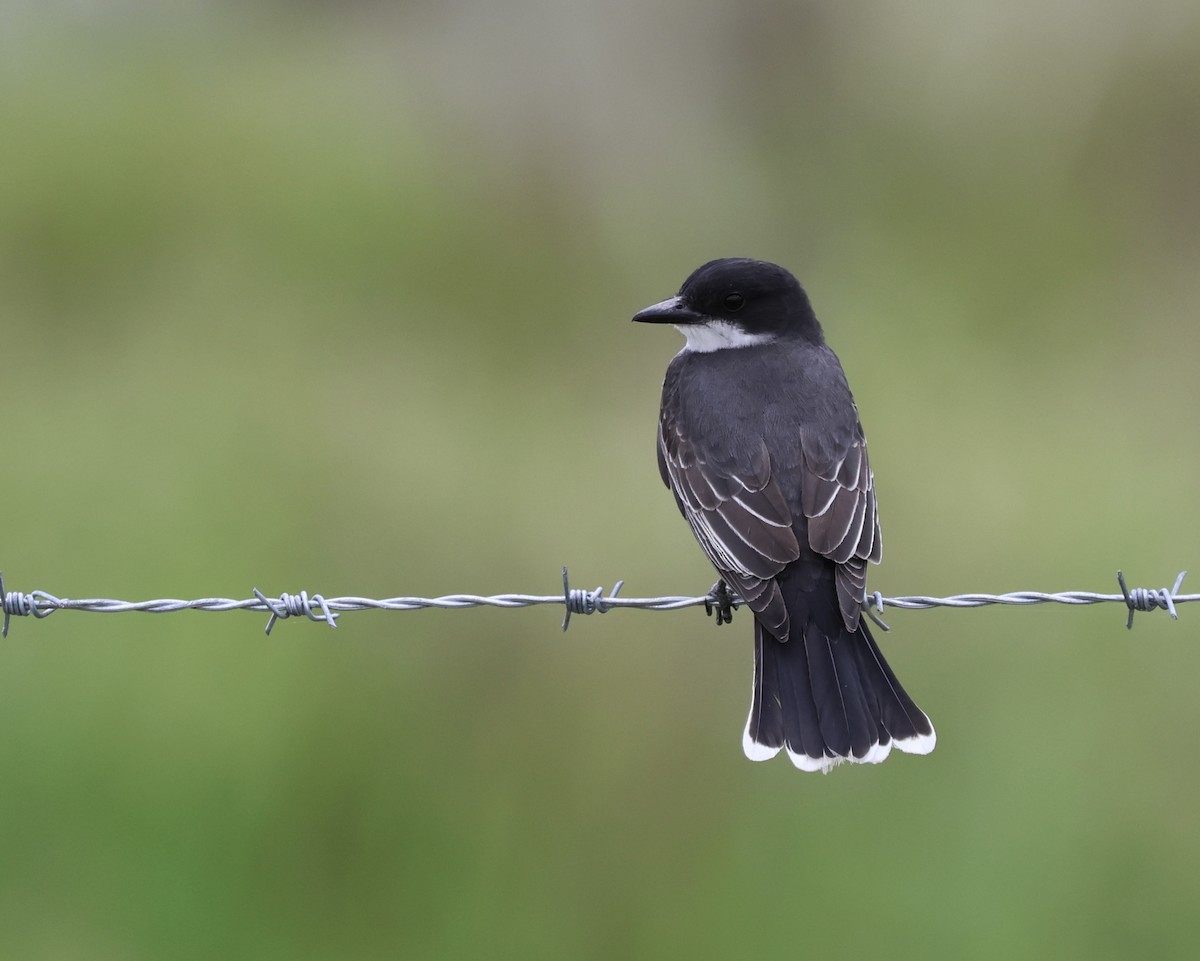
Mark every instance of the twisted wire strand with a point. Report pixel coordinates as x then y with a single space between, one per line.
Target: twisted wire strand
316 607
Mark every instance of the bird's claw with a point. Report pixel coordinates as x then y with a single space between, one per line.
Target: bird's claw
720 601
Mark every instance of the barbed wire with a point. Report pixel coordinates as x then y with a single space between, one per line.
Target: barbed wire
317 607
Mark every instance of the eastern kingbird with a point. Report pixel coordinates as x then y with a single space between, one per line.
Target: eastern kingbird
759 440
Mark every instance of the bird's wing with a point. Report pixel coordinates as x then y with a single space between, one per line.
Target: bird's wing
838 498
741 520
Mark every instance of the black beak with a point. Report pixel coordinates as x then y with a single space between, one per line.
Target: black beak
672 311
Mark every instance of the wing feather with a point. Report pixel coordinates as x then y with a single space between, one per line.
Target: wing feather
741 520
818 494
838 498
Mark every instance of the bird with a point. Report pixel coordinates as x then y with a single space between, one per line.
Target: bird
760 441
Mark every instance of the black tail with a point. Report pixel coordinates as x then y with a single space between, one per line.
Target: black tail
827 695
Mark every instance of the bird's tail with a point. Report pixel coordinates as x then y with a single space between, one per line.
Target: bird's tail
826 695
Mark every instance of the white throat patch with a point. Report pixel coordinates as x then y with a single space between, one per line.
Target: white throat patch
719 335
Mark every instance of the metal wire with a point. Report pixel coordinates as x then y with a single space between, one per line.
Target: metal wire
575 601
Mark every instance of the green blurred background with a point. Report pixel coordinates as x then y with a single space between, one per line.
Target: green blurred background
335 297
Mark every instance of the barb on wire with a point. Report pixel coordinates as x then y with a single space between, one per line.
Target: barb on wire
585 602
295 605
1145 599
317 607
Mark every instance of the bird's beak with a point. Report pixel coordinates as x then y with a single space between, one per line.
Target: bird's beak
672 311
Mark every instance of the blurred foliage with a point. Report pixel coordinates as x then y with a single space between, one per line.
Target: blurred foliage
335 297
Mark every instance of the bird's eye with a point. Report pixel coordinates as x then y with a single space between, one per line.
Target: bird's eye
734 301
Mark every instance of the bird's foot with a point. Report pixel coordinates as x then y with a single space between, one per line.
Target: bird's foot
720 601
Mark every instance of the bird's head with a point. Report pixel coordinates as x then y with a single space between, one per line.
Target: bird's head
737 302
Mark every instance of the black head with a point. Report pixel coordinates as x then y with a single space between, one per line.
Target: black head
739 296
